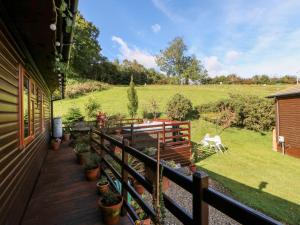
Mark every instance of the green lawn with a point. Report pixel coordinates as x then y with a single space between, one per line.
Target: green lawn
250 170
114 100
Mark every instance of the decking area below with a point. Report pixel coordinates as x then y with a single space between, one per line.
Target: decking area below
62 195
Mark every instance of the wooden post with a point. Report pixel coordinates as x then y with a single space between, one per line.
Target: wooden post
189 127
157 183
124 175
131 132
164 132
102 144
200 208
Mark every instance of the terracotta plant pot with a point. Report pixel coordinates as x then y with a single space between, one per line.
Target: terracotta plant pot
145 222
80 159
138 187
111 214
151 176
55 145
165 184
193 168
92 174
67 136
103 188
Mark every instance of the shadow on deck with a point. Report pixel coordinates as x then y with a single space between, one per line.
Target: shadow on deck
62 196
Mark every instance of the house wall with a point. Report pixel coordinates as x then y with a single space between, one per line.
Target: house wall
19 166
288 124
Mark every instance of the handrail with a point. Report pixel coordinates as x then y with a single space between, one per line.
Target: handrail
236 210
197 186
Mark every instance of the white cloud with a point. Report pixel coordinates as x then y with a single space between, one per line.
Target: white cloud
143 57
160 4
232 55
213 65
156 28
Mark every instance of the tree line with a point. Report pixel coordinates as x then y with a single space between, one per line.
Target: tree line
175 64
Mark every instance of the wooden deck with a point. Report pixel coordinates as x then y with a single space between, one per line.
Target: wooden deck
62 196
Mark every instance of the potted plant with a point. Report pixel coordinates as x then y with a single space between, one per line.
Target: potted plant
138 187
55 143
80 149
143 217
103 185
91 167
67 132
110 206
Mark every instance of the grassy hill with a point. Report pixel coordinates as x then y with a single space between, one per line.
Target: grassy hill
250 170
114 100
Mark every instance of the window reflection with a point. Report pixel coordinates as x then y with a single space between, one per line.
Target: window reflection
26 106
32 118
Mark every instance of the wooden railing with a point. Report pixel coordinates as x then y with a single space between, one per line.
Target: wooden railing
169 131
202 194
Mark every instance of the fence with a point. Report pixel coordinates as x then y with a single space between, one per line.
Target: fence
202 194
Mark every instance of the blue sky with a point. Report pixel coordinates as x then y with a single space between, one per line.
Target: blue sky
228 36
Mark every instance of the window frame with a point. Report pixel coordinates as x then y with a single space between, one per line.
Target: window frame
24 141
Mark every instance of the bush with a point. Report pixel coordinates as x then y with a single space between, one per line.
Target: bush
91 108
179 107
76 89
151 110
251 112
73 115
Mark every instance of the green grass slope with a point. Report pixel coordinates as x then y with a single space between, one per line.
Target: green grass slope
114 100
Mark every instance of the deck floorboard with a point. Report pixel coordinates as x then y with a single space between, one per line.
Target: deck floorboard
62 196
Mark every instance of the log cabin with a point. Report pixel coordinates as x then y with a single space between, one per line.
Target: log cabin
287 131
28 50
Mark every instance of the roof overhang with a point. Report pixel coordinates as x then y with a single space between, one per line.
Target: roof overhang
29 22
287 93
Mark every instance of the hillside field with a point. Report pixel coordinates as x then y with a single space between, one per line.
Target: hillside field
250 170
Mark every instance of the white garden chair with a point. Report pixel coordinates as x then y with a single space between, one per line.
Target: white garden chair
213 142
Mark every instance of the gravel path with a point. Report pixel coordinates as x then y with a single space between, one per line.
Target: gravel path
184 199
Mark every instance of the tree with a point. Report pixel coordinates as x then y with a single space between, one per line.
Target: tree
133 99
92 108
194 70
85 54
172 60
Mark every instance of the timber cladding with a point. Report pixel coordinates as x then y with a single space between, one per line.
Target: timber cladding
19 166
288 123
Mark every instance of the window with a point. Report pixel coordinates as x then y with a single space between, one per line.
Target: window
27 107
26 124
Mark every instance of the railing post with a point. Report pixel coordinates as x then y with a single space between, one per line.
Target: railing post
131 132
200 208
189 127
164 132
124 175
102 144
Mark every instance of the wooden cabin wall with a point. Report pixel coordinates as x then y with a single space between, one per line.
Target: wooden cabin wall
19 168
288 124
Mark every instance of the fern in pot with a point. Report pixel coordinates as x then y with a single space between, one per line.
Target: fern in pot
91 167
80 150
